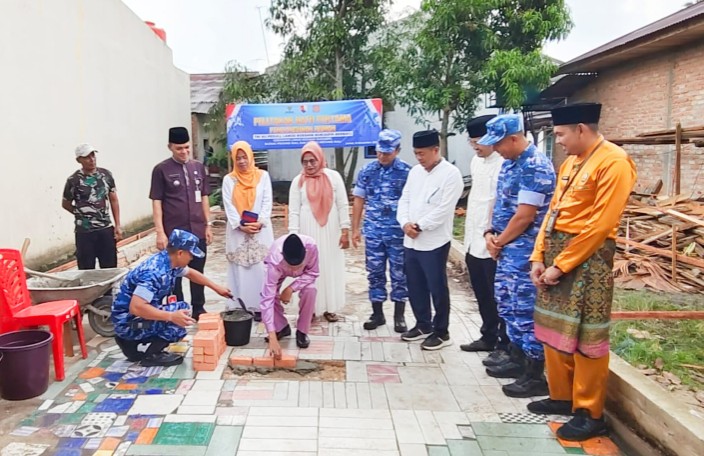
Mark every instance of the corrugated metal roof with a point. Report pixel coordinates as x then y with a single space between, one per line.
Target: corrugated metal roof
205 91
676 29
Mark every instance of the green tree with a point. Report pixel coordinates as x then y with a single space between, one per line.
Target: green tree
328 55
452 51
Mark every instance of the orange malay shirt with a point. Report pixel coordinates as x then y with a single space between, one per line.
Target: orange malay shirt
592 207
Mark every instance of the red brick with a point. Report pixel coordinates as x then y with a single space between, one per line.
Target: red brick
210 359
286 362
266 361
204 367
240 361
198 358
208 325
209 316
205 339
198 351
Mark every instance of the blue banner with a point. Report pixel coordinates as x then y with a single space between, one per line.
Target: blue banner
346 123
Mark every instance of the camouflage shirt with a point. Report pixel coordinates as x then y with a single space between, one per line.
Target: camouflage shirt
89 194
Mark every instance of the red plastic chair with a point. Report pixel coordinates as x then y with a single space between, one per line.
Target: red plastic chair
17 311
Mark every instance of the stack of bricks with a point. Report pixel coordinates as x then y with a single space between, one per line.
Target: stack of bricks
286 361
208 342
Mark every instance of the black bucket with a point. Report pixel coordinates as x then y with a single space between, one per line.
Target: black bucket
238 325
24 364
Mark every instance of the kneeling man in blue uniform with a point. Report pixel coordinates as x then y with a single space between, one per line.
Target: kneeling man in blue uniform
138 312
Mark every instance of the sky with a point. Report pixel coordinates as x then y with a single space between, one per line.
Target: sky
205 35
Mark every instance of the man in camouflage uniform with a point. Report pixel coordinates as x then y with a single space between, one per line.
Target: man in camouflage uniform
86 196
525 186
378 189
138 311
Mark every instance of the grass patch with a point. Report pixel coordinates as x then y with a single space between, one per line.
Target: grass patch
676 342
458 228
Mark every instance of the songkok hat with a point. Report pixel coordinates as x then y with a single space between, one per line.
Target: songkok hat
500 127
427 138
178 135
476 128
183 240
294 251
389 140
577 113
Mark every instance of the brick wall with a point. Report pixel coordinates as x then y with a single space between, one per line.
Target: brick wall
650 94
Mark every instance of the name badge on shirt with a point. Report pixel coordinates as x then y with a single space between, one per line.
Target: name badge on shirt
199 198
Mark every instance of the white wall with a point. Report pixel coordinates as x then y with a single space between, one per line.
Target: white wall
78 71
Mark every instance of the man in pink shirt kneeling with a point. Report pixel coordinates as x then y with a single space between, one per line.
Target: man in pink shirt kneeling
293 255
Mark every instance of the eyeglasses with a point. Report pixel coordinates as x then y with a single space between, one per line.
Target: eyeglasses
311 162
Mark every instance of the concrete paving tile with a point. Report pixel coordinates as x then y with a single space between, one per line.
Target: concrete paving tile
339 394
407 427
196 410
378 395
495 453
431 430
351 413
283 411
448 421
366 351
316 394
432 357
354 444
208 385
286 445
283 421
188 419
421 397
338 351
397 352
357 433
340 452
354 423
364 398
416 353
225 440
522 445
413 449
356 371
499 401
351 395
155 404
458 374
276 453
304 394
472 399
352 351
422 375
280 391
271 432
201 398
483 417
536 431
435 450
464 448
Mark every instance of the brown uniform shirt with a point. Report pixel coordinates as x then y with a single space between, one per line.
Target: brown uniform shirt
178 187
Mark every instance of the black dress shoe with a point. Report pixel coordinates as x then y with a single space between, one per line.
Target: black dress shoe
532 383
375 320
582 427
283 332
550 407
162 359
498 356
302 340
477 346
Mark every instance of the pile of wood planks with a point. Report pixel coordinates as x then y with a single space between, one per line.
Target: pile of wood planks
661 246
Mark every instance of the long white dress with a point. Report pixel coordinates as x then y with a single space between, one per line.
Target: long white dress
246 282
331 282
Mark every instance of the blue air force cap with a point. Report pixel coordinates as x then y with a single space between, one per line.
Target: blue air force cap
389 140
183 240
500 127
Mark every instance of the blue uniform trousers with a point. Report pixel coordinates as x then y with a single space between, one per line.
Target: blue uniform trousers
381 249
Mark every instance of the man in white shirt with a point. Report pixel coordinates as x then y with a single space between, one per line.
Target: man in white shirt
426 212
485 168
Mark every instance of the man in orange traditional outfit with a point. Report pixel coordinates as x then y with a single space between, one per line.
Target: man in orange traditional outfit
572 266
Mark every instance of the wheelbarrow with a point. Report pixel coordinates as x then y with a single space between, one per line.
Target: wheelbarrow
93 289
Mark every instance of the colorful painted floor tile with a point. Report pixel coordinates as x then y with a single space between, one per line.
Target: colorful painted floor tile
184 434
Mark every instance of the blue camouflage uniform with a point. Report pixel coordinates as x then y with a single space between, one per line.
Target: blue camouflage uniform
381 188
153 280
530 179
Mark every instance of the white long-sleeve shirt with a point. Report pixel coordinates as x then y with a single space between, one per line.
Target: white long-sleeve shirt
485 174
429 200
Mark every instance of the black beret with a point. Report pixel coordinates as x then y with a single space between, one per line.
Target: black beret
294 251
427 138
476 128
178 135
577 113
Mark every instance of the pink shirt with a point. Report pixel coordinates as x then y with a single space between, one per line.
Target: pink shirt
277 270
